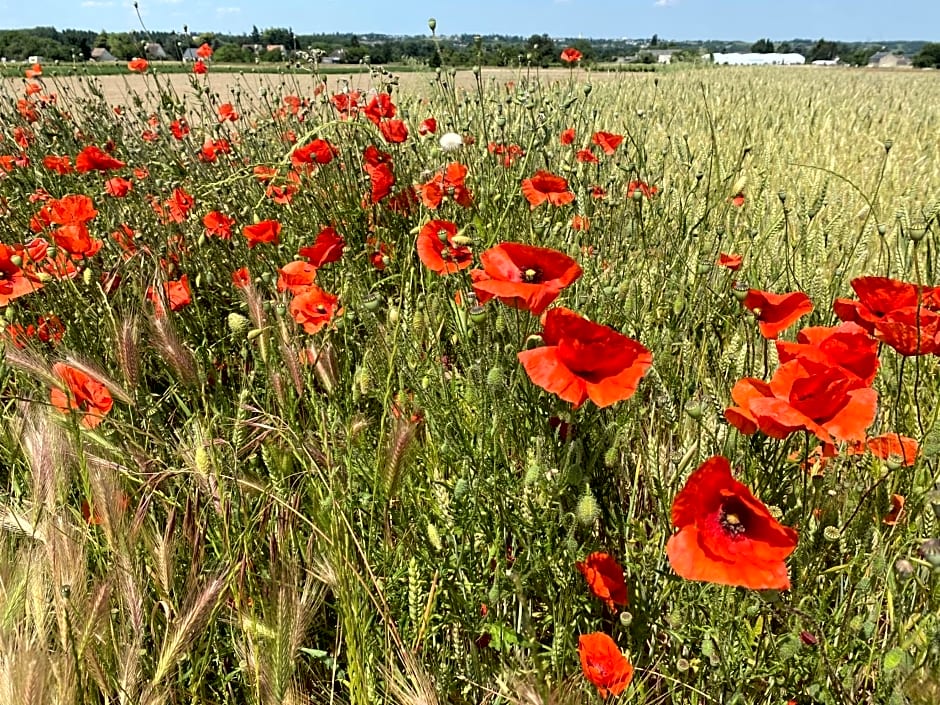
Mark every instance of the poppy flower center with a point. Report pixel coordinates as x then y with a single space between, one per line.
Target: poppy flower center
531 275
731 519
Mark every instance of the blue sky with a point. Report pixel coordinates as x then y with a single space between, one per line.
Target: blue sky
870 20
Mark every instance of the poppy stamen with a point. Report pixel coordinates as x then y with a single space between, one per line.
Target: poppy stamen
531 275
731 522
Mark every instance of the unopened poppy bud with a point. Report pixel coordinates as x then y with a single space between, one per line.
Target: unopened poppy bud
460 240
494 378
612 457
704 265
16 261
478 314
393 315
904 568
432 25
238 323
882 229
782 195
476 70
372 302
739 289
45 277
587 88
888 145
460 488
87 276
587 510
534 341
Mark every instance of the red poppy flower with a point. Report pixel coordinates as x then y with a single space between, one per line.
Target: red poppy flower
544 186
730 261
607 141
81 392
448 182
204 51
726 535
76 240
200 68
328 247
603 664
878 296
897 506
571 55
72 209
296 276
438 251
241 278
890 446
50 329
427 127
314 308
580 223
776 312
586 156
394 131
227 113
93 158
382 178
567 136
605 578
523 276
738 199
35 71
180 128
14 281
316 151
60 165
846 346
636 189
265 231
218 224
584 360
138 65
177 295
381 106
118 187
911 331
804 395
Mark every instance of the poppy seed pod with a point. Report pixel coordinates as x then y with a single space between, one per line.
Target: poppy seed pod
739 289
372 302
478 314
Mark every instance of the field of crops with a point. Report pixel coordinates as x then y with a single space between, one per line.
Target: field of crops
514 388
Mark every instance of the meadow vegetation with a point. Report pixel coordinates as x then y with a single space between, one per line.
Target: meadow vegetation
272 434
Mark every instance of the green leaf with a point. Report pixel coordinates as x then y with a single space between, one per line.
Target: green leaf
893 659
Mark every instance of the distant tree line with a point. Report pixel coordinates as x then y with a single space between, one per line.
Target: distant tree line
453 50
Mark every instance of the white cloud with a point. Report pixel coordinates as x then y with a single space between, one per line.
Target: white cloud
665 3
97 3
227 10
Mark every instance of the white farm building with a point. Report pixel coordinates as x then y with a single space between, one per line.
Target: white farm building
759 59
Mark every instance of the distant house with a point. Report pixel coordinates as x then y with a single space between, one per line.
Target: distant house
826 62
887 60
336 57
752 59
191 55
663 56
280 48
153 50
101 55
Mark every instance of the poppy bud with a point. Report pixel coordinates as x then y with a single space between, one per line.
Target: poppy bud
782 195
478 314
476 71
587 510
365 380
87 276
704 266
611 457
740 289
534 341
808 638
254 333
587 88
45 277
882 229
393 315
494 378
460 488
372 302
460 240
888 145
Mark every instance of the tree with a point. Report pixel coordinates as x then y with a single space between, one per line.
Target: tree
785 48
255 35
232 54
654 41
123 46
928 56
542 49
824 50
762 46
103 41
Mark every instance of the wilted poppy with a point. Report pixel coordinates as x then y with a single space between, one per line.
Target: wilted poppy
776 312
603 664
314 308
584 360
438 251
804 395
571 55
544 186
81 392
897 506
846 346
726 535
605 578
523 276
265 231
